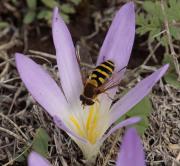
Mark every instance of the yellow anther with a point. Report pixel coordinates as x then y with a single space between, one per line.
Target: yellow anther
90 131
91 124
77 125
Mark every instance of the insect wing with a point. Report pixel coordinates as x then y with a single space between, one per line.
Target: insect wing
85 61
112 82
83 56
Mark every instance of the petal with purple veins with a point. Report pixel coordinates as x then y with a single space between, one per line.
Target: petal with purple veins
124 123
62 126
136 94
119 40
131 152
41 86
35 159
69 70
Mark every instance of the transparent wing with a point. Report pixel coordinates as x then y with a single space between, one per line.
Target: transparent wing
112 82
85 61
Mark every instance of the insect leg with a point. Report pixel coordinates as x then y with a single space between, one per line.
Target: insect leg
122 69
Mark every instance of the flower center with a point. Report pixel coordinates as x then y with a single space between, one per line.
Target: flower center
89 128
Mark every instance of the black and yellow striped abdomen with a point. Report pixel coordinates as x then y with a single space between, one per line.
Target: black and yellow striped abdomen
101 73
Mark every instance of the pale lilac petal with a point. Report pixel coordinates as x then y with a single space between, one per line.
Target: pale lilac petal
69 71
41 86
105 101
131 152
124 123
35 159
62 126
119 40
136 94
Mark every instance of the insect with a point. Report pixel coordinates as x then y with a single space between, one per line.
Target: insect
100 80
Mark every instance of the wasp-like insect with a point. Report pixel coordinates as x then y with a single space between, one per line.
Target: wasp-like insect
100 80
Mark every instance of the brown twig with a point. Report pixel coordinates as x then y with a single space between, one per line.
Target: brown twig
12 134
43 54
151 53
4 56
15 97
14 124
173 53
14 159
9 45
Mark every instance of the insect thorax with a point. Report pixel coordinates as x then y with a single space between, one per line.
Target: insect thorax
89 90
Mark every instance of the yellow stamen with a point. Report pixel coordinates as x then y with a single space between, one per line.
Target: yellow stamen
77 125
91 111
91 125
90 131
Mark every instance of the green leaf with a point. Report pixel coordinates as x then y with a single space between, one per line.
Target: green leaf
153 33
154 9
65 18
175 32
3 24
44 14
50 3
76 2
169 59
173 10
29 17
23 156
142 109
164 41
67 8
172 3
171 78
40 142
151 20
141 30
140 19
32 4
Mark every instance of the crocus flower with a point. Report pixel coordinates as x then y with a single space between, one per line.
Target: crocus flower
131 151
35 159
87 126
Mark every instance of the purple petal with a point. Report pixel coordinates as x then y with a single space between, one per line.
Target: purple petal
42 87
35 159
119 40
136 94
131 153
69 71
124 123
62 126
